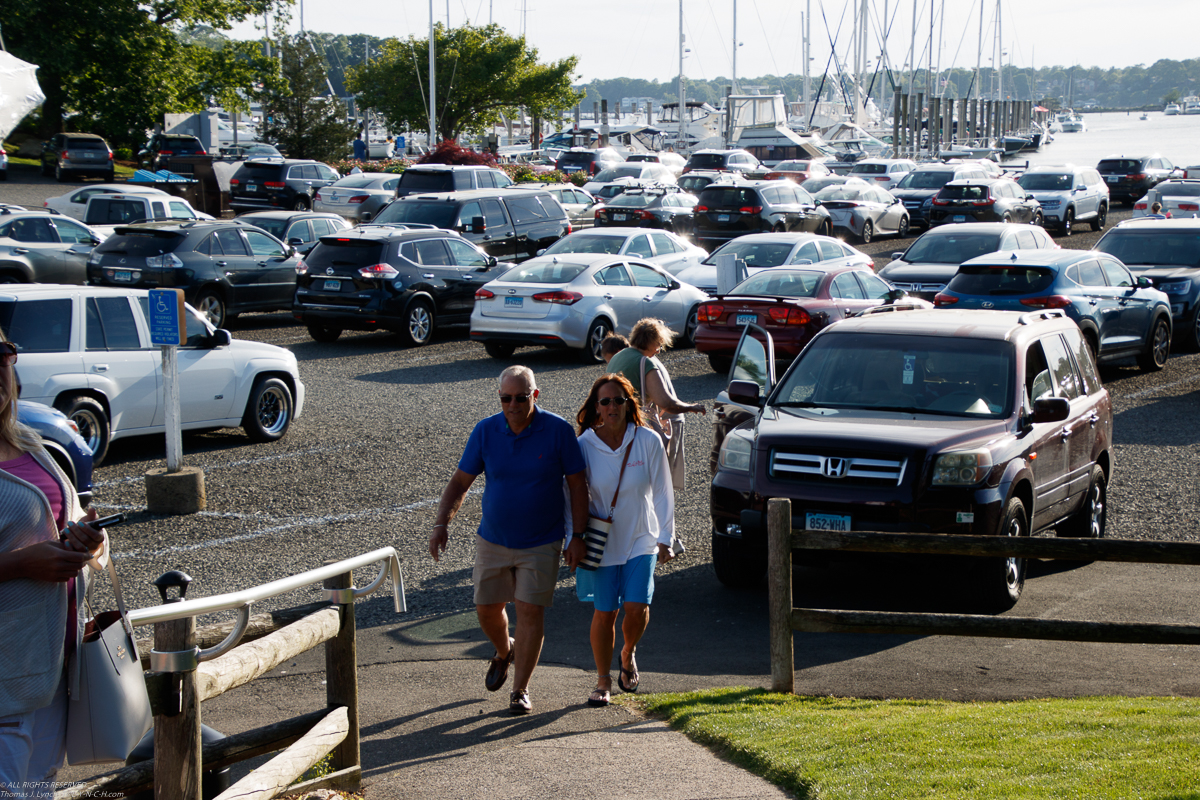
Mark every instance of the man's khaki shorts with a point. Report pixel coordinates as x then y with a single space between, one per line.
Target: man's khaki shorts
503 574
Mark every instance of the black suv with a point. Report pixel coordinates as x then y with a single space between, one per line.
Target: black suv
224 267
984 200
262 184
1130 177
374 277
162 147
729 210
512 226
917 189
916 422
589 160
77 155
450 178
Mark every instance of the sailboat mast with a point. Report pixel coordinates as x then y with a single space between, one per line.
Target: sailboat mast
432 84
979 54
1000 63
735 48
679 141
805 25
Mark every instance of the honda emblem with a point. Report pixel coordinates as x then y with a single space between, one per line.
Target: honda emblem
835 467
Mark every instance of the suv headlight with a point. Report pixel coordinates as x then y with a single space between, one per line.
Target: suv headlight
1175 287
736 452
963 468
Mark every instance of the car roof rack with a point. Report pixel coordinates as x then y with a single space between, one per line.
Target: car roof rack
11 208
1031 317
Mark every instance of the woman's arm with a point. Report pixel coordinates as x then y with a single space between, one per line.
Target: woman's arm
662 491
53 562
657 391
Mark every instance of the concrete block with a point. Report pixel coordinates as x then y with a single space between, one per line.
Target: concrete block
175 492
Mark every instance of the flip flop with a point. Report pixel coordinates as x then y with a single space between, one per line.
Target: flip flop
634 678
599 697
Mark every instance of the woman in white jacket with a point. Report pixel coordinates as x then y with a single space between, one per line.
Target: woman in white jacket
611 434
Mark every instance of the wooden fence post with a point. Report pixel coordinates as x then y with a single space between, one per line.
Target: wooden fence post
341 680
779 579
177 735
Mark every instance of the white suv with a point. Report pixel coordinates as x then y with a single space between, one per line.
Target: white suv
883 172
1068 194
86 351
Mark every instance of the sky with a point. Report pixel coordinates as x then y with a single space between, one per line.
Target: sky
639 38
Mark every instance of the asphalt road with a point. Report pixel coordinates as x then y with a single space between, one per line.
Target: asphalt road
382 432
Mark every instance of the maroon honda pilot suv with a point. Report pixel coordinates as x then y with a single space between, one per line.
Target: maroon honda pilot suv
988 423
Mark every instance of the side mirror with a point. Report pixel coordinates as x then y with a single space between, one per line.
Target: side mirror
1051 409
673 285
542 251
1030 197
896 294
366 217
288 252
295 241
745 393
221 338
492 261
478 225
897 256
95 241
1144 283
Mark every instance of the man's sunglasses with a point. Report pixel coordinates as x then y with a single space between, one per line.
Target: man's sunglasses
8 354
620 401
514 398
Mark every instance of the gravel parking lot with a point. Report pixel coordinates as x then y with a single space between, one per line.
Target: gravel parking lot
384 427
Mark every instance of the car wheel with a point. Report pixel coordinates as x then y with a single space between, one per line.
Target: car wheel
1158 344
1038 219
499 349
1007 219
1068 223
779 228
1188 344
301 204
596 333
1100 218
826 229
1093 345
323 333
88 415
10 277
109 176
738 566
1090 521
60 174
868 232
47 171
720 364
902 231
212 306
1003 579
3 174
269 411
418 324
689 327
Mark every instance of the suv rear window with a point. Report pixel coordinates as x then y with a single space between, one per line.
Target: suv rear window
38 326
707 161
86 144
869 169
528 209
141 244
728 197
1152 247
416 180
577 158
630 200
103 211
260 171
951 192
438 214
1122 165
352 253
1000 280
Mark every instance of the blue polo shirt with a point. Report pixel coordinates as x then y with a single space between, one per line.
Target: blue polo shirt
523 502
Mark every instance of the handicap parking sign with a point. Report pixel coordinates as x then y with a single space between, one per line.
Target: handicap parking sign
167 321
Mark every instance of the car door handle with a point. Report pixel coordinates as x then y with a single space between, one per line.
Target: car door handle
1065 433
262 263
222 263
1094 418
20 250
100 368
1093 302
608 297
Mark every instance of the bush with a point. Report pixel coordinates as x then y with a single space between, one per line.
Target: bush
448 152
393 165
579 178
123 154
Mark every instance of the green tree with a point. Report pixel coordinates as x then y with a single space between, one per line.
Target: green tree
301 121
115 67
482 72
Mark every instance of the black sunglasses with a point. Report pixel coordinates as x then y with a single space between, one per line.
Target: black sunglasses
8 353
620 401
514 398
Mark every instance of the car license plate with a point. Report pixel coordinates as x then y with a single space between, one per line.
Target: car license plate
333 286
514 302
826 522
619 217
722 218
1113 178
747 319
250 187
959 218
123 275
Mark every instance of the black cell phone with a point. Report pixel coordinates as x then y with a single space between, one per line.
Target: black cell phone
101 522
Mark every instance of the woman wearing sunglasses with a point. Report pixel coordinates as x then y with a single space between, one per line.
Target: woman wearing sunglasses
625 461
40 624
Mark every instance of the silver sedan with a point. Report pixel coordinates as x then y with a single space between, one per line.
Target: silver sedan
575 300
359 197
865 211
668 250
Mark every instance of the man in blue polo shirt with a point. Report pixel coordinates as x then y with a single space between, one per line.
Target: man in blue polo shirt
526 453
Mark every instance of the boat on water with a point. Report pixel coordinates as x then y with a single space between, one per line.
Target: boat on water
1172 109
1074 124
1191 104
1144 116
703 125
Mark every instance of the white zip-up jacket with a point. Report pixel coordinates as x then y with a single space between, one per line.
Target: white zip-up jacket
645 513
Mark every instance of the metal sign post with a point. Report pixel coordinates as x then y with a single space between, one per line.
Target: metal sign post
168 328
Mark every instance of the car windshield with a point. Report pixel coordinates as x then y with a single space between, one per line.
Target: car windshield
1178 189
627 200
1000 279
543 272
780 283
1146 248
612 173
932 179
755 254
954 248
587 244
440 215
140 244
939 375
843 192
1047 182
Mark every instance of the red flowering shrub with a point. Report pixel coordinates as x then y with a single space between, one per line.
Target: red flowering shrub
448 152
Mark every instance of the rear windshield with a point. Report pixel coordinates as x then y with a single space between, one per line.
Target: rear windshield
350 253
275 227
178 145
612 173
628 200
252 171
37 326
755 254
1152 247
1122 165
694 183
86 144
1178 189
953 249
1000 280
793 166
577 158
102 211
1047 182
546 272
933 179
728 197
843 192
707 161
356 181
416 180
779 283
441 215
587 244
951 192
141 244
869 169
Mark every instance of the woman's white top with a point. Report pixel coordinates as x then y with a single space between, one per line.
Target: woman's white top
645 513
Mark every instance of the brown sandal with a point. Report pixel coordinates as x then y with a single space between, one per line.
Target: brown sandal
497 672
634 677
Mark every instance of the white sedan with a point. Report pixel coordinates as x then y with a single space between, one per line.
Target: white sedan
669 251
759 251
74 202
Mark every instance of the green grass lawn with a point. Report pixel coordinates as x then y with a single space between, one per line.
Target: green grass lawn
832 748
120 170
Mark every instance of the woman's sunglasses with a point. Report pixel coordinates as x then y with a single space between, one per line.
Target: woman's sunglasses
8 354
620 401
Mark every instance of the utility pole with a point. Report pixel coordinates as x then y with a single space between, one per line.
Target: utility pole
735 47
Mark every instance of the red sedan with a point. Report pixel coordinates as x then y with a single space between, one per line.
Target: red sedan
793 304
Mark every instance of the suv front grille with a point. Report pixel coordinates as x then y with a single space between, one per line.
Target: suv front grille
854 470
919 288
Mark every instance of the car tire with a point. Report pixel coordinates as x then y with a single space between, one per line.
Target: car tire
691 325
1090 521
211 306
60 174
595 336
1007 220
499 349
418 324
47 170
3 174
1038 219
738 566
1003 579
1187 344
89 416
323 333
11 277
1068 223
302 203
1158 345
868 232
902 231
720 364
1100 218
826 229
779 228
110 176
269 411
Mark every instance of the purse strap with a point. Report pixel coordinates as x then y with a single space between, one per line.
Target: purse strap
116 585
624 462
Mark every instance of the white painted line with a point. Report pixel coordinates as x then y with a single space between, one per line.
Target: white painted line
242 463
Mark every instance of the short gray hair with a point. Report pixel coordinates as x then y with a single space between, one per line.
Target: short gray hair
519 371
648 332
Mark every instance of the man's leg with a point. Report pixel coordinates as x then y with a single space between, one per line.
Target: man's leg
493 619
530 630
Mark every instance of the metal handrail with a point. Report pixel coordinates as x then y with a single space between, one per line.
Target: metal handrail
237 600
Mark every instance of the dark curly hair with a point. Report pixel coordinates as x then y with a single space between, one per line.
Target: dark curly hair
588 415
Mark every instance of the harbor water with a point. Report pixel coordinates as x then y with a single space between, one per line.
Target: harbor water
1175 138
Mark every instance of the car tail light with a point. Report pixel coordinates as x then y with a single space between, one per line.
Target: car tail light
882 178
709 312
201 152
65 154
359 198
944 299
562 298
987 201
1140 176
384 271
599 213
1139 206
569 229
1050 301
164 261
700 209
1189 207
164 152
784 315
643 214
484 294
750 210
235 182
110 155
274 184
301 268
770 176
937 201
